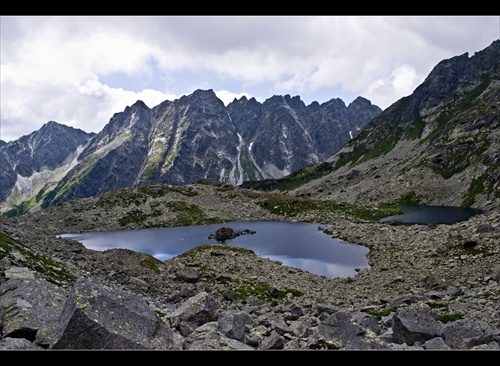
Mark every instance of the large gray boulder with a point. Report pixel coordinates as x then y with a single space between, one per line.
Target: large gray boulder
415 324
99 315
210 337
348 330
30 309
232 324
194 312
466 334
18 344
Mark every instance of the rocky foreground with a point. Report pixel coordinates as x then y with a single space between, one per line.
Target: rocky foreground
429 287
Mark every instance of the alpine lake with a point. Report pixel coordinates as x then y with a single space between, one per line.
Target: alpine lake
296 244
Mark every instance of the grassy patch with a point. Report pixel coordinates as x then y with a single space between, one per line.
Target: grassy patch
379 141
380 314
137 196
135 217
46 267
446 318
152 263
370 213
484 184
436 305
248 168
292 206
23 207
189 214
456 157
286 205
410 198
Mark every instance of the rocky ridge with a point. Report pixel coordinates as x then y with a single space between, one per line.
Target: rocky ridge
438 146
428 287
176 142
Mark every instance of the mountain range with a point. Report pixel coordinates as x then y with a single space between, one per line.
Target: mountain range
177 142
437 146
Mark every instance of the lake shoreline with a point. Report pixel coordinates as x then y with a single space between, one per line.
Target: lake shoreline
301 245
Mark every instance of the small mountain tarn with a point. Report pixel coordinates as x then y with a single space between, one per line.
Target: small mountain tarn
431 215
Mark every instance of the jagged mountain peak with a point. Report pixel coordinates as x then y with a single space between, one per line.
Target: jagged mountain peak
360 102
243 101
200 95
48 129
52 124
45 148
285 100
32 163
140 104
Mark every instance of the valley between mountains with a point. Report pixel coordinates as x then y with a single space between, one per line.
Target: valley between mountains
438 146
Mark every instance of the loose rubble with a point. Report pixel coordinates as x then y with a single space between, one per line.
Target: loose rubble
429 287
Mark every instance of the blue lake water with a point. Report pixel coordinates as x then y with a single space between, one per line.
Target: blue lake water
432 215
295 244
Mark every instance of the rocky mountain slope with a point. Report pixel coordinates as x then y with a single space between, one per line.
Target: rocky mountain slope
177 142
36 162
428 286
438 146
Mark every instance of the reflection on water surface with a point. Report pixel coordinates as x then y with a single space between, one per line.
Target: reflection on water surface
300 245
432 215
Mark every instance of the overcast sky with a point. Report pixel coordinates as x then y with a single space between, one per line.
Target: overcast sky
79 70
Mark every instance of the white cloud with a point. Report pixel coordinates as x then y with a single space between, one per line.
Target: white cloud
227 97
402 82
405 80
81 70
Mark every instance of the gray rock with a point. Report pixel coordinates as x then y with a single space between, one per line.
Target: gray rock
435 344
348 330
208 337
18 344
195 311
273 341
232 324
415 324
19 272
465 334
30 309
100 315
